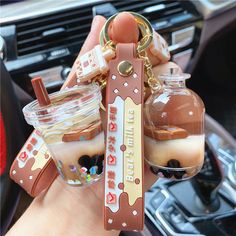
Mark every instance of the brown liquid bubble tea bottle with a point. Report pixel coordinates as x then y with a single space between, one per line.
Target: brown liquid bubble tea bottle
174 129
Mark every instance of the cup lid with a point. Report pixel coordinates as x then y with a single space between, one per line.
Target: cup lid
80 99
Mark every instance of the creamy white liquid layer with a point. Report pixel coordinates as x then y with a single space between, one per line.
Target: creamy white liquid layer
70 152
188 151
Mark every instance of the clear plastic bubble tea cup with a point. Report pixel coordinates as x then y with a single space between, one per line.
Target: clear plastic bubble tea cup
71 127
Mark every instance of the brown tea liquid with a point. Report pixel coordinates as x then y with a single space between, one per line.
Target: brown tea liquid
174 131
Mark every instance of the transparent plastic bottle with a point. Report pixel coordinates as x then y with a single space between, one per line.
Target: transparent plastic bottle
174 129
71 127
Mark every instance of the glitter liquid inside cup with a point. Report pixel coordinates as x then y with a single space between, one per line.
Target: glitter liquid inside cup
174 129
71 127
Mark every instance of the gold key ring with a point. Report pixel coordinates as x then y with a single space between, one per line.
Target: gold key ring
144 26
147 37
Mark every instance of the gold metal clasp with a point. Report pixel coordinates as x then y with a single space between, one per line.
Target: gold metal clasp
147 37
144 27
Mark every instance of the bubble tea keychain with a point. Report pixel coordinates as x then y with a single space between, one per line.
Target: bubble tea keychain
34 168
174 128
173 121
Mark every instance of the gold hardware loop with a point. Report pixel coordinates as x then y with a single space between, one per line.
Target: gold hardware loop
147 37
101 82
144 26
152 81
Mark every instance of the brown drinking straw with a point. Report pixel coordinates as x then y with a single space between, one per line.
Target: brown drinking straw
40 92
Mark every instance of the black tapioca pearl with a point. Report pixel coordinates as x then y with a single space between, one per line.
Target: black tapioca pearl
173 163
167 173
98 161
88 162
99 170
179 174
100 164
154 170
85 161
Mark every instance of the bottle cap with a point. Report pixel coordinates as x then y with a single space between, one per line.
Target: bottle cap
174 75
